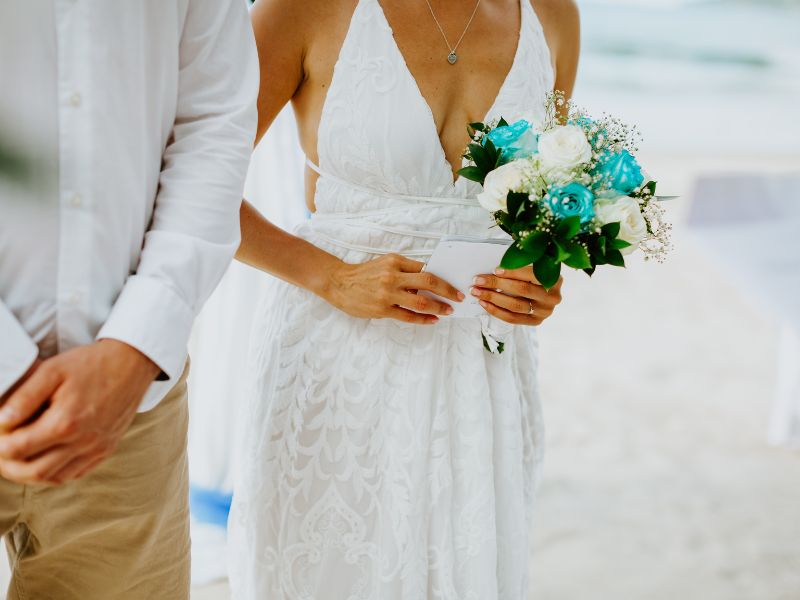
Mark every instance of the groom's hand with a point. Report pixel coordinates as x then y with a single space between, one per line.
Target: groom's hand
71 412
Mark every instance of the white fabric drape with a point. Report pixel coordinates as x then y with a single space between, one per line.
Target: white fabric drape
220 338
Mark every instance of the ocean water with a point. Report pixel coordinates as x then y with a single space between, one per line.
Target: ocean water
699 77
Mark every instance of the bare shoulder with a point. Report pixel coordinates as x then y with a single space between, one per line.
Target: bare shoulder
560 18
562 29
300 17
291 30
287 32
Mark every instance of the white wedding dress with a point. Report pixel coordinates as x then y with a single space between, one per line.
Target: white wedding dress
382 460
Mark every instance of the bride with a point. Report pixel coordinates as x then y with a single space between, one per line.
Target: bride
387 455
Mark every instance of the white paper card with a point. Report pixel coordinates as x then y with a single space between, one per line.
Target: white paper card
457 260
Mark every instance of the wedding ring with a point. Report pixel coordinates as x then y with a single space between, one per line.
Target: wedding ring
530 310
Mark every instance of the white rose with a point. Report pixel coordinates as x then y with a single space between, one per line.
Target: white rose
564 147
561 177
504 179
625 211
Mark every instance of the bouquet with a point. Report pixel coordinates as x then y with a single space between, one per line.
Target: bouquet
569 191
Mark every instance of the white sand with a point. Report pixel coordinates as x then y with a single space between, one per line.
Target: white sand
659 483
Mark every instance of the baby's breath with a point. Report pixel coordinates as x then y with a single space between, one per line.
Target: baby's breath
659 241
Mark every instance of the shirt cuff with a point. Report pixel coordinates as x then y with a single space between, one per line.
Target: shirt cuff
17 352
152 318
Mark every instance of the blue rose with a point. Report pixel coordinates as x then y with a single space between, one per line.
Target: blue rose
571 200
515 141
620 172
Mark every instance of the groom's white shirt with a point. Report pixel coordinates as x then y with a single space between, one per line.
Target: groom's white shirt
140 117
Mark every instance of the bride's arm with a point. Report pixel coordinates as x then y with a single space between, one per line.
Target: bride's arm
562 27
375 289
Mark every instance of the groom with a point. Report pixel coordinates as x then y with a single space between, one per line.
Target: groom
137 120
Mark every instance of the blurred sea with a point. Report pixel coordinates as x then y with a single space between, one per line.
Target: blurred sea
715 77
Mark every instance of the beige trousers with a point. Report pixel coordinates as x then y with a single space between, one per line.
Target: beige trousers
121 533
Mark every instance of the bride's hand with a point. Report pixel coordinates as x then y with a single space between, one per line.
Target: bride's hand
386 287
516 296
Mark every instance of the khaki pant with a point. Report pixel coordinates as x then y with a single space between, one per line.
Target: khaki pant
121 533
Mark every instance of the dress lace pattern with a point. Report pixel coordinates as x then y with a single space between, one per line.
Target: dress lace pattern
380 460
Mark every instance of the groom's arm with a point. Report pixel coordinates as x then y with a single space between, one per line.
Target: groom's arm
195 228
93 391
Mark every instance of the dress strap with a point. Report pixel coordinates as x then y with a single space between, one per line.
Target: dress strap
442 200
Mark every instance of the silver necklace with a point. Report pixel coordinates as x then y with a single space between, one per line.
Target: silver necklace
453 56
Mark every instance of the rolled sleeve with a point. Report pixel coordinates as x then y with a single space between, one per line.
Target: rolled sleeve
195 226
17 350
155 320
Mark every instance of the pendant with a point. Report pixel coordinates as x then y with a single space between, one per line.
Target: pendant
452 57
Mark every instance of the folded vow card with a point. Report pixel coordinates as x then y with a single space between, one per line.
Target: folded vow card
457 260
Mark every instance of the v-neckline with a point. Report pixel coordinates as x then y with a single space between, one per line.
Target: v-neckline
453 177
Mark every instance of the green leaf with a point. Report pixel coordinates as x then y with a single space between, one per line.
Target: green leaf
504 222
651 187
531 214
615 257
562 253
502 122
473 174
481 158
619 244
478 127
493 154
578 257
568 228
597 250
547 271
500 345
515 258
536 244
516 201
610 230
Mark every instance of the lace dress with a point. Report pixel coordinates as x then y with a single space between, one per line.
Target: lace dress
382 460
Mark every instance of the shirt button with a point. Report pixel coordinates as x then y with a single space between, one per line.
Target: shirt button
75 100
76 201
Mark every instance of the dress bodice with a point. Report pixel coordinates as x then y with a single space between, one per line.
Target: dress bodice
386 184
